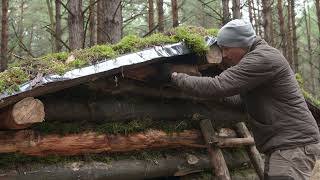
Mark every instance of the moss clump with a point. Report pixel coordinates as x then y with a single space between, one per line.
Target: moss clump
133 126
11 79
56 63
306 94
193 38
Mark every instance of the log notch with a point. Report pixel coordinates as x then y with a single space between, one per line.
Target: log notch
218 163
127 169
22 114
253 153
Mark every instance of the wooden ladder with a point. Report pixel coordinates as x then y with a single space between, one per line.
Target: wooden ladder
214 145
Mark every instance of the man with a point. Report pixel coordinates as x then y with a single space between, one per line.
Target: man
283 127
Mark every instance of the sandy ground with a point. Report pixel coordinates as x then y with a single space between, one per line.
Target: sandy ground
316 172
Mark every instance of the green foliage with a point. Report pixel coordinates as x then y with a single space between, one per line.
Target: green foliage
306 94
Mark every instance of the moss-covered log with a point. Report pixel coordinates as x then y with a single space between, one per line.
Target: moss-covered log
127 169
22 114
29 143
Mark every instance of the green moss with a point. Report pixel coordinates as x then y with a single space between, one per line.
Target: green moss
12 160
56 63
306 94
11 79
193 38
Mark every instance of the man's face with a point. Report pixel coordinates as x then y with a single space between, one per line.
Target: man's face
232 55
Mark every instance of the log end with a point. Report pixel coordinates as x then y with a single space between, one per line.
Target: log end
28 111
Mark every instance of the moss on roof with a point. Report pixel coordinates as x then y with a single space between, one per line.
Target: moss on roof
58 63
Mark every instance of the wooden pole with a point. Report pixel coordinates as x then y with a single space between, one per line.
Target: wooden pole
253 153
217 161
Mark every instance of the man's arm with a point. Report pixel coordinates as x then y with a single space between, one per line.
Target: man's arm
246 75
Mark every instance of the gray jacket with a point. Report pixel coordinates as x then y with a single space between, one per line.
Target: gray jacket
271 94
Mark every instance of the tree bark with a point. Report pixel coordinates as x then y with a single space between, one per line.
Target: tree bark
127 169
75 24
92 23
30 143
282 29
289 36
52 24
225 12
317 3
175 17
160 15
4 36
250 10
236 9
109 27
267 20
256 22
22 114
259 18
58 31
308 31
150 15
294 36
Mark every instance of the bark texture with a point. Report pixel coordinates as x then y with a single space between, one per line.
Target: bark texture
4 36
75 24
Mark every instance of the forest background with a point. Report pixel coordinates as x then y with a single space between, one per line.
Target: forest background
33 28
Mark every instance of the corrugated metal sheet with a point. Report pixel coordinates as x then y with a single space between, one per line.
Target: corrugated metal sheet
52 83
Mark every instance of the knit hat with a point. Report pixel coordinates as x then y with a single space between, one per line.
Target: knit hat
236 33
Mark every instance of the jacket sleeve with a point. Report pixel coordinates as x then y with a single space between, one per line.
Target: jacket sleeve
246 75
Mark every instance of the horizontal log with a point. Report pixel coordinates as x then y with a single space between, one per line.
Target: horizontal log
108 110
122 169
30 143
22 114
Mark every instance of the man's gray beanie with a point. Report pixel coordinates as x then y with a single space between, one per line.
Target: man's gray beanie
236 33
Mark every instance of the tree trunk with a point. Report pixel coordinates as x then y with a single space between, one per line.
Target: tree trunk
294 36
317 3
267 20
256 22
22 114
160 15
75 24
225 10
52 24
250 10
175 17
236 9
282 29
126 169
150 15
92 24
308 31
259 18
58 31
109 21
21 28
4 36
289 36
